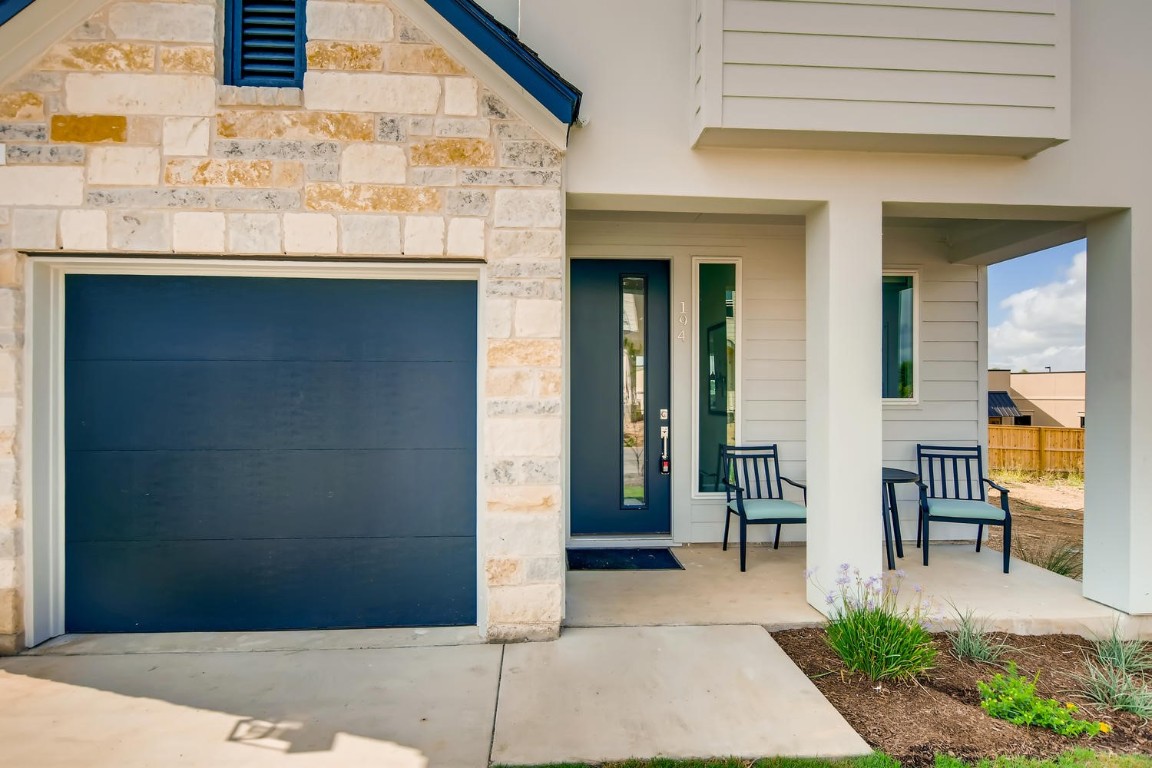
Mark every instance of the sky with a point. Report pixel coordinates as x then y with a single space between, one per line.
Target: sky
1036 310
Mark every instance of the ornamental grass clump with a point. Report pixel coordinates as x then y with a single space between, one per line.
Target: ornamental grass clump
971 640
872 633
1008 696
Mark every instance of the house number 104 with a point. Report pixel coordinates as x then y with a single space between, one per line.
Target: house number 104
682 321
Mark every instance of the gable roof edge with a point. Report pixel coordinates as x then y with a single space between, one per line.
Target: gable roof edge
479 64
36 28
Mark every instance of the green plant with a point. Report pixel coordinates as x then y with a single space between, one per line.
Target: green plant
1129 656
1063 557
971 640
1008 696
872 633
1117 689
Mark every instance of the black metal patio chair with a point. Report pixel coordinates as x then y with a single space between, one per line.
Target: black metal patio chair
952 491
752 482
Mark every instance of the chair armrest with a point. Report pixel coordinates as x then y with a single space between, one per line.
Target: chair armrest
991 484
795 484
732 487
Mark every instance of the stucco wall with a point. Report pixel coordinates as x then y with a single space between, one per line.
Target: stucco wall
121 140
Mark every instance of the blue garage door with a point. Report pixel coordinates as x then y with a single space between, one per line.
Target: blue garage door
256 453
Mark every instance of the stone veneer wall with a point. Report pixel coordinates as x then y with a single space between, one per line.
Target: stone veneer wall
121 140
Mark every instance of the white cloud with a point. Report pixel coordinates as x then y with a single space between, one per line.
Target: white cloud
1045 325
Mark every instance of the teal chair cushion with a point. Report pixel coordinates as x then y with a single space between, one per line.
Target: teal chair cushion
771 509
963 508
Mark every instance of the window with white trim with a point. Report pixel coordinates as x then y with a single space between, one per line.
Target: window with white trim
899 337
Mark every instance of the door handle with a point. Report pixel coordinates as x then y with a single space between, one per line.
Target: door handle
665 462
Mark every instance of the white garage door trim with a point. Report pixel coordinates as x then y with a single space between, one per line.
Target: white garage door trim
42 428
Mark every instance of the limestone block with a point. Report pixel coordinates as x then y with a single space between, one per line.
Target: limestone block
147 198
313 151
116 94
525 604
407 32
391 129
512 353
374 164
515 132
127 166
187 136
522 437
371 92
523 407
7 380
7 419
368 57
252 96
469 152
310 233
40 154
254 233
322 172
508 382
198 232
468 127
502 571
188 59
549 383
23 106
23 132
545 570
424 236
528 208
214 172
422 59
349 21
87 129
539 319
467 202
526 289
253 124
466 237
61 186
84 230
376 235
493 106
166 22
256 199
523 498
371 197
140 230
432 177
460 96
529 154
145 130
3 154
498 314
527 245
100 57
9 606
533 270
511 534
421 125
34 228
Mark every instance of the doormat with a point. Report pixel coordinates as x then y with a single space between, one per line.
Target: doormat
633 559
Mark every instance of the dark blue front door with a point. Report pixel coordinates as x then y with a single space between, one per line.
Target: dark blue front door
255 453
620 398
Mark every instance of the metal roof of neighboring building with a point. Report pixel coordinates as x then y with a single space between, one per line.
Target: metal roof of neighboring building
1001 404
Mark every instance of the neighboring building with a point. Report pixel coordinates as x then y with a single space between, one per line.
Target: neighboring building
1042 399
327 313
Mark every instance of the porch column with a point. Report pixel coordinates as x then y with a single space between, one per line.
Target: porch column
844 267
1118 413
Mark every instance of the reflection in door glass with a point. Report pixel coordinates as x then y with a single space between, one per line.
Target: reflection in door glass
717 369
635 459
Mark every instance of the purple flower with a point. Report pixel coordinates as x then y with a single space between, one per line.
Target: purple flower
900 574
844 567
830 598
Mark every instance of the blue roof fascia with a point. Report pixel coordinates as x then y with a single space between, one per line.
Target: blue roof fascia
9 8
521 63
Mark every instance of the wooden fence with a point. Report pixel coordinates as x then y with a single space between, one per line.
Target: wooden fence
1036 449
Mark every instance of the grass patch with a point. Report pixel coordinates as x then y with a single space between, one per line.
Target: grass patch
1063 557
972 642
1117 689
1080 758
1129 656
1054 479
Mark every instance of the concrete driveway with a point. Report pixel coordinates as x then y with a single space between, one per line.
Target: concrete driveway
409 699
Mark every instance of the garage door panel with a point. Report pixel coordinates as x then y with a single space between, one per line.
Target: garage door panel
130 496
128 405
270 584
195 318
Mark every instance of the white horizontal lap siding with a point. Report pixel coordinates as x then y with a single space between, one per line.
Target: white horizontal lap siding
976 67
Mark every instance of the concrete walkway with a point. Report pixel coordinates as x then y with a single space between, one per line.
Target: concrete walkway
406 699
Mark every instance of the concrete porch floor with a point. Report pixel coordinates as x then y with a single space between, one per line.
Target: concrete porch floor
712 590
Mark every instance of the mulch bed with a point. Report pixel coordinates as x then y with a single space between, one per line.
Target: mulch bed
941 713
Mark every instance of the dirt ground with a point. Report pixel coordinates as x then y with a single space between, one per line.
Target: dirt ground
941 713
1045 514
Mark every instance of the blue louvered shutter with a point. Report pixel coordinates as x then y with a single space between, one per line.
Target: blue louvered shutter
264 43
